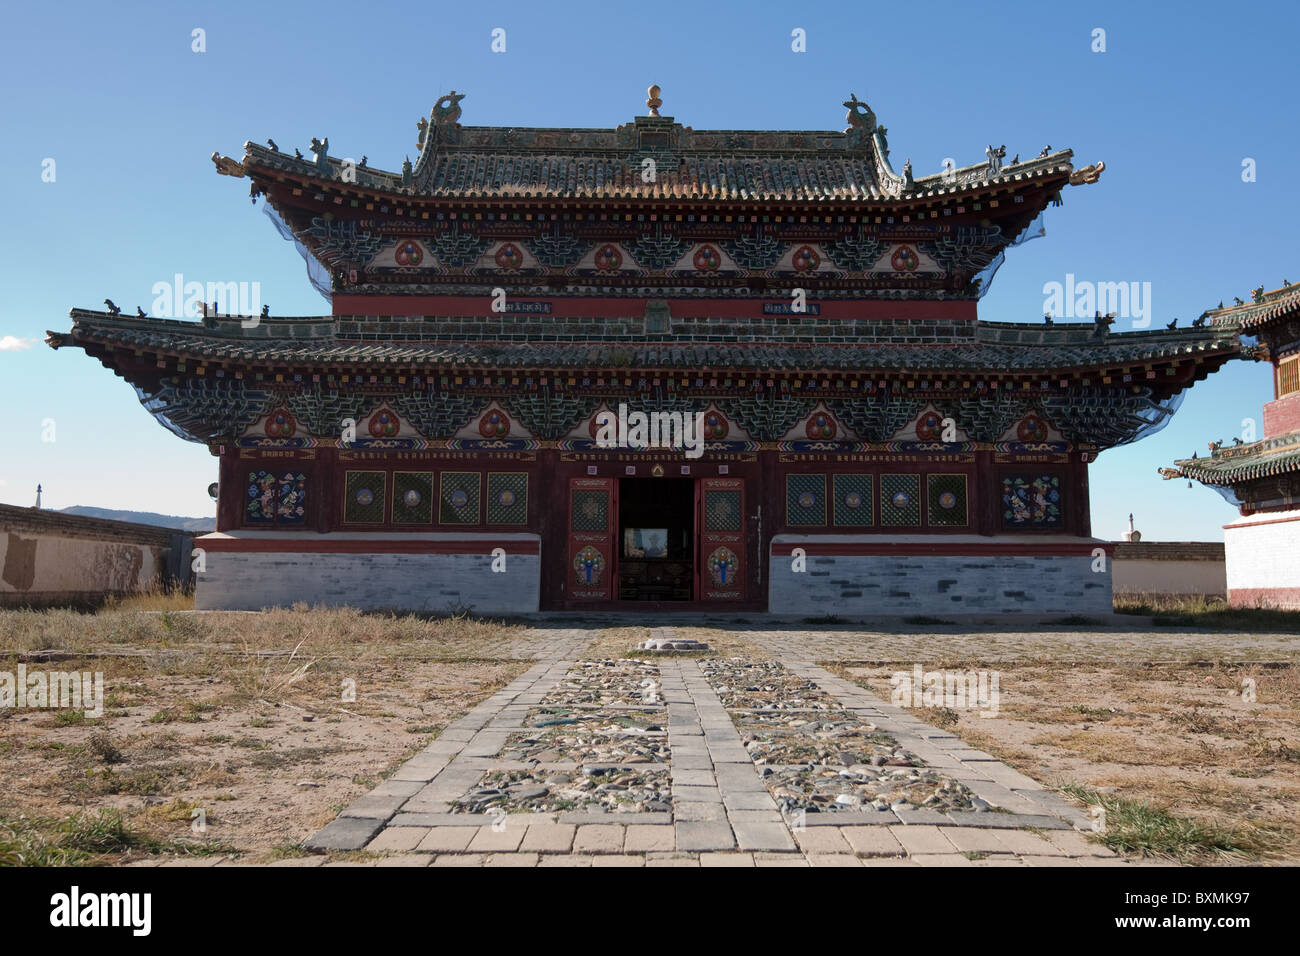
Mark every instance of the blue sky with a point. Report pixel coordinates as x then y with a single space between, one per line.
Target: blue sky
114 94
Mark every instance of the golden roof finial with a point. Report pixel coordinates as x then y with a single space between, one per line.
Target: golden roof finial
654 102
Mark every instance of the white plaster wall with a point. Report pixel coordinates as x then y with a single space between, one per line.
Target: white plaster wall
1138 576
1263 552
74 566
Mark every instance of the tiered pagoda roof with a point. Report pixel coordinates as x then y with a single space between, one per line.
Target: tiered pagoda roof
1263 309
654 248
1274 319
207 380
722 166
659 189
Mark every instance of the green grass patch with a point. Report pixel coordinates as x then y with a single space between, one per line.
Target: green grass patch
1093 713
286 851
1133 826
84 839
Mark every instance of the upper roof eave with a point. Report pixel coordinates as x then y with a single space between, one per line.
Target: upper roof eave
307 340
1264 307
1246 462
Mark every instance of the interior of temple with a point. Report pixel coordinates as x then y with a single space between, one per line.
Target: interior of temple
656 527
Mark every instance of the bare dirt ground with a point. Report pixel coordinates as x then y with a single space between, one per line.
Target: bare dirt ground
1177 737
244 718
261 741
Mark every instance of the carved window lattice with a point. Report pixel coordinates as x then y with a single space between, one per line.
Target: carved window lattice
459 497
805 500
1288 375
722 511
900 500
365 497
947 504
413 497
507 497
590 510
854 503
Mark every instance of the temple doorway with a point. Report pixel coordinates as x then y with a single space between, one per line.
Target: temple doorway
656 539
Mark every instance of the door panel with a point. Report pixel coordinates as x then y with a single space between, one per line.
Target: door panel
720 521
590 571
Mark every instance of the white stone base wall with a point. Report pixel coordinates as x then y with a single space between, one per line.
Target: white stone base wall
431 583
941 585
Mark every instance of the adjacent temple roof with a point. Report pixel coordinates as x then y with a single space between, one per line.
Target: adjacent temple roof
653 158
1264 308
991 348
1239 463
1270 316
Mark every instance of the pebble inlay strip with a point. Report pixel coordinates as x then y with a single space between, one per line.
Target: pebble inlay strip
817 757
710 805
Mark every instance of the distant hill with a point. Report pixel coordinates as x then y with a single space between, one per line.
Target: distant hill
144 517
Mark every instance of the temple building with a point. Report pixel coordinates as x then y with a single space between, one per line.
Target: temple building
870 445
1262 478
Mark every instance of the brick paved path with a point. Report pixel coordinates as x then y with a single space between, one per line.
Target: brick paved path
721 810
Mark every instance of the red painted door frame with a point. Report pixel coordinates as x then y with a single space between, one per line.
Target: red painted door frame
591 565
721 556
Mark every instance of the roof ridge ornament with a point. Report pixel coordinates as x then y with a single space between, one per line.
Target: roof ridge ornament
995 158
860 115
1088 174
444 115
448 115
320 149
653 102
227 166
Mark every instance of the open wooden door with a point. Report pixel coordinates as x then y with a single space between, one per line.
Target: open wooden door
591 571
720 522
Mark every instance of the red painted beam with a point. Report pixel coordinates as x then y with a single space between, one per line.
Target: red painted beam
976 549
328 545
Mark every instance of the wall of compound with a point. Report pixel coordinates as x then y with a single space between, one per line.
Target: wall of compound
1263 557
50 558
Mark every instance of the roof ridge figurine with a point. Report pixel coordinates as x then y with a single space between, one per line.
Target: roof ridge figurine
860 115
448 115
1088 174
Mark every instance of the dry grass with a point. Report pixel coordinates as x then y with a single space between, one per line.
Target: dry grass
241 716
1190 765
157 598
279 630
1206 612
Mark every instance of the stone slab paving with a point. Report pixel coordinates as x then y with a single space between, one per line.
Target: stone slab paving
721 812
